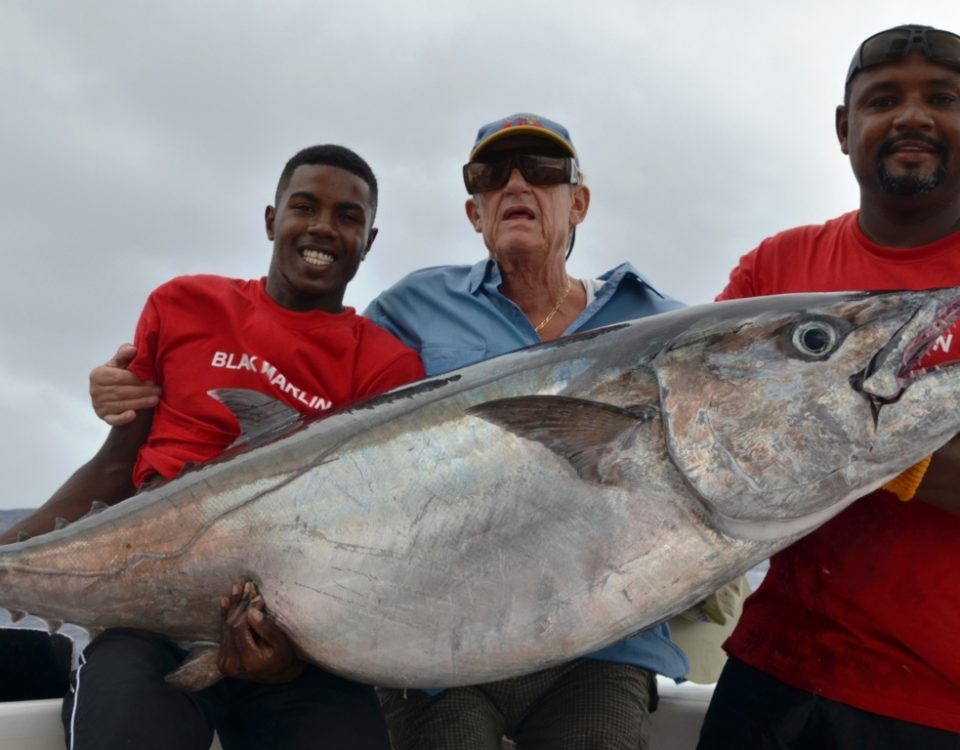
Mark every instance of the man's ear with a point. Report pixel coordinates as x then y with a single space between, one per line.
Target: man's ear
473 213
580 205
843 128
269 215
370 238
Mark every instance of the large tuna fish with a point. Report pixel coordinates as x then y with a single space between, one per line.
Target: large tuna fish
531 508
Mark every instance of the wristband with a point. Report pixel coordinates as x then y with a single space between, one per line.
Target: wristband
905 485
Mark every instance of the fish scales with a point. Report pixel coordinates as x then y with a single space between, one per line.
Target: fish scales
528 509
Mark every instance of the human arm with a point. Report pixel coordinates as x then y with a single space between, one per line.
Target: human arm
252 646
742 280
116 393
939 486
105 478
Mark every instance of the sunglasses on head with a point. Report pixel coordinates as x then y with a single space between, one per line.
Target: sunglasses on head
537 169
939 46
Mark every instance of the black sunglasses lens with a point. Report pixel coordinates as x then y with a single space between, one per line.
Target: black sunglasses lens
889 45
544 170
480 177
944 46
537 169
940 46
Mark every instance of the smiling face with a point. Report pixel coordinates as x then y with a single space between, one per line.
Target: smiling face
321 231
523 223
901 127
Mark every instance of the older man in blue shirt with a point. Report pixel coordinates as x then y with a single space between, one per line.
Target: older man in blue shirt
526 198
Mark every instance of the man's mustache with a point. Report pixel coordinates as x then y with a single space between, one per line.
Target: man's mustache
888 146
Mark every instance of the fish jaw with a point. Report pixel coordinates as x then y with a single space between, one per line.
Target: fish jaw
920 351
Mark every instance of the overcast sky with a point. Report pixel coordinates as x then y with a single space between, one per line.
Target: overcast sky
142 140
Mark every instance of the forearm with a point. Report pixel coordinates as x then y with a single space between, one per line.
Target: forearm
105 478
74 498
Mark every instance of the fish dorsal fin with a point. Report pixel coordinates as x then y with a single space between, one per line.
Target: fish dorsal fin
198 671
96 507
60 523
259 415
578 430
22 536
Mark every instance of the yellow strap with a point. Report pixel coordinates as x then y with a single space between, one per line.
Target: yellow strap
905 485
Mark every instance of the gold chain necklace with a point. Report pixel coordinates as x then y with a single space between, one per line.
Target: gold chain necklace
555 310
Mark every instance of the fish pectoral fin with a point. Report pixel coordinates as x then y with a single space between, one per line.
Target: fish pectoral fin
578 430
198 671
259 415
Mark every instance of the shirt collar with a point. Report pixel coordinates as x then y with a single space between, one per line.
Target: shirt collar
484 271
488 272
614 277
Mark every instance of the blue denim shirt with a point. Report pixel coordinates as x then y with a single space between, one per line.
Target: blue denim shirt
454 316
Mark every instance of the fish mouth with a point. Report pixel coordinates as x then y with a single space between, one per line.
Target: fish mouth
920 349
934 348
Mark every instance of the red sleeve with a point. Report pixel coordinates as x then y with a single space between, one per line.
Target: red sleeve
743 281
405 369
146 338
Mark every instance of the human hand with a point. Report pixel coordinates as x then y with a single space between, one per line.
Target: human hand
116 393
252 647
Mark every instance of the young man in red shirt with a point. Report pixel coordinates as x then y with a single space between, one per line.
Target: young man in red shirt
850 641
288 336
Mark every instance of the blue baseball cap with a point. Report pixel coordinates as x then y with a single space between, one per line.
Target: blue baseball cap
524 124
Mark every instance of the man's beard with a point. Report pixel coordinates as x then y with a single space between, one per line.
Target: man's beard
912 183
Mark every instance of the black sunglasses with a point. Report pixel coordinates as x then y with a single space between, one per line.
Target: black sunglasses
939 46
537 169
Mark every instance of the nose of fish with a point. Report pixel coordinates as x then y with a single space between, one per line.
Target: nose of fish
878 383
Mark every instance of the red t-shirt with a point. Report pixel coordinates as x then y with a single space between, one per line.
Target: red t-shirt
202 333
864 610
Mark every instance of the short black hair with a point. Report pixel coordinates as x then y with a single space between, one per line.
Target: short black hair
331 155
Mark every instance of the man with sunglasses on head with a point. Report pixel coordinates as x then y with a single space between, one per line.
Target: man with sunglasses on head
850 641
526 198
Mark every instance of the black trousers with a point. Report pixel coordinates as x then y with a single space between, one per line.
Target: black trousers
119 699
752 711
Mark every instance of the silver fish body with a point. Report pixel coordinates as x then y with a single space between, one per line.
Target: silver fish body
535 507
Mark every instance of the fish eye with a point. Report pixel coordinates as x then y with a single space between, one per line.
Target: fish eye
815 338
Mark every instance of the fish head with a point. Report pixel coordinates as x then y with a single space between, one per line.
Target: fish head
781 408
